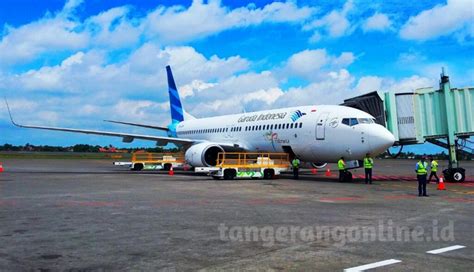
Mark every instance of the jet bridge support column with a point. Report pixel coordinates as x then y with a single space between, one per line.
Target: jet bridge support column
445 87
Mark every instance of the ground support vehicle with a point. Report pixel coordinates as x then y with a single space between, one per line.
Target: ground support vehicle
242 165
153 161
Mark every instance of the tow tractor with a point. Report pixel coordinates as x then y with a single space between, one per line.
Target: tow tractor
153 161
241 165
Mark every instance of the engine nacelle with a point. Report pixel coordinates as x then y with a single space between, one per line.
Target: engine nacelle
319 165
203 154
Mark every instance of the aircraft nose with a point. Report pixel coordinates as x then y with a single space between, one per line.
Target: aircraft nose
380 139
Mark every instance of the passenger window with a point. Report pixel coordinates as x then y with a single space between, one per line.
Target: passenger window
287 126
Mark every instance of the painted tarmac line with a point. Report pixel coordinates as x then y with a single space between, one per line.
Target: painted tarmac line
372 265
445 249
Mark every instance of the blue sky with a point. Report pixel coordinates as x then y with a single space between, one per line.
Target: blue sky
74 63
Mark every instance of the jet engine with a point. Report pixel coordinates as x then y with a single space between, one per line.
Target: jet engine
203 154
319 165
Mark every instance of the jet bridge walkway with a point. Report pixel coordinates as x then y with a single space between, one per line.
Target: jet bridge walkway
444 117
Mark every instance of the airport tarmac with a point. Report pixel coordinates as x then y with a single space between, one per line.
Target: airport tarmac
88 215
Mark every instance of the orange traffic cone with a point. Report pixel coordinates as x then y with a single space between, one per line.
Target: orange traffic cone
1 167
441 184
314 171
171 172
328 172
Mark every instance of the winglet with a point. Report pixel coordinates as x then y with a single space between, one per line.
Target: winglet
10 113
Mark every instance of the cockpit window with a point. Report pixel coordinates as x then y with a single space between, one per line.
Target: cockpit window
354 121
365 120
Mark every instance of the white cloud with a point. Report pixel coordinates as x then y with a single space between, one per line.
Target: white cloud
250 91
377 22
71 5
331 90
116 28
50 34
408 84
456 17
203 19
311 64
335 24
143 72
268 96
28 42
195 86
368 84
411 57
113 29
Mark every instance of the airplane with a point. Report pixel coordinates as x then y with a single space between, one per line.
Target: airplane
316 134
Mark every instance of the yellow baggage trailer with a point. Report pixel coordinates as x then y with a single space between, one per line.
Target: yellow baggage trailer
153 161
242 165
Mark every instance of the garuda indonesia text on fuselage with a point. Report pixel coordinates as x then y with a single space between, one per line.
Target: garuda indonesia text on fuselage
315 134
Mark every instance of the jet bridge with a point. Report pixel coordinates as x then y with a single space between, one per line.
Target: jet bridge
444 117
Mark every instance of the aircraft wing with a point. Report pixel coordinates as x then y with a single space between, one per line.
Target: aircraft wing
126 137
138 125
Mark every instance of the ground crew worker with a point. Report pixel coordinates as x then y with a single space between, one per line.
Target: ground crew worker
368 164
296 167
341 165
421 172
434 169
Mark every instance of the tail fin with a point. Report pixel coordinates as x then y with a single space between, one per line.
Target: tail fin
177 113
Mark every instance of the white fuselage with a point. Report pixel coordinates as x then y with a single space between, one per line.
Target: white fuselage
314 133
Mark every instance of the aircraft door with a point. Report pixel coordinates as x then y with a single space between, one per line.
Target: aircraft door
321 126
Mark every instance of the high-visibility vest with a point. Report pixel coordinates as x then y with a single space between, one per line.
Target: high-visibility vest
421 168
341 165
368 163
434 166
296 163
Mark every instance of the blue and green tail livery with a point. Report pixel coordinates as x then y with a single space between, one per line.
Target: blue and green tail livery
176 108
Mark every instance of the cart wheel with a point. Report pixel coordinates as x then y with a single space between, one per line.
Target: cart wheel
455 174
137 167
459 176
268 173
229 174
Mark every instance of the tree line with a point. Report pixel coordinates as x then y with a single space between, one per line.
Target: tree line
76 148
